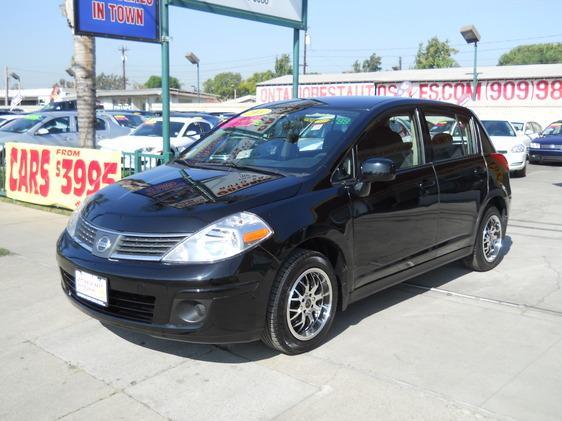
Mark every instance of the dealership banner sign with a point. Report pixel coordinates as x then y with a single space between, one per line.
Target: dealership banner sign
514 92
58 176
285 92
547 92
136 20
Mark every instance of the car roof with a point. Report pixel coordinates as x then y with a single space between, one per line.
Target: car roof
182 119
367 103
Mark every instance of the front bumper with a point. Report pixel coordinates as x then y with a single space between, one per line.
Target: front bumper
152 298
545 155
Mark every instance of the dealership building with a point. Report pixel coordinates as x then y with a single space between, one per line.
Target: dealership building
516 93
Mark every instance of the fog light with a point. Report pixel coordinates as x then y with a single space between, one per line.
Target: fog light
192 312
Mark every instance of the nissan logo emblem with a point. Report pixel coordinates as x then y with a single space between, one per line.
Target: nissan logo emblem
103 244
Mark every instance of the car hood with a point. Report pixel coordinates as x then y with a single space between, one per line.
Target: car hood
551 140
133 143
130 143
6 137
502 143
174 198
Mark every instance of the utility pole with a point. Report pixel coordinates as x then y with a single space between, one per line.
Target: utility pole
124 50
7 81
400 63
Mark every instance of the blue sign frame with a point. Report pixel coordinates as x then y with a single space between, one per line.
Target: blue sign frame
135 21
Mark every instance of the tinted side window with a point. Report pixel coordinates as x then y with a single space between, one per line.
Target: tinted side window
395 138
487 146
100 124
57 125
450 136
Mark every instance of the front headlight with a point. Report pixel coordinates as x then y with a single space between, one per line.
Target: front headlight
225 238
535 145
75 217
518 148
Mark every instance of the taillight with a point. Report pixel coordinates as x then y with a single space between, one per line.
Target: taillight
501 160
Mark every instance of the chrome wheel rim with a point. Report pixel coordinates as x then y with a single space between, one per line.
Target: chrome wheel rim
492 238
309 304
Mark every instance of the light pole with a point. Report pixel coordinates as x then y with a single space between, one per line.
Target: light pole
193 59
471 36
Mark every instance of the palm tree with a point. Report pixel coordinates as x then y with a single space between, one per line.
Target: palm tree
84 68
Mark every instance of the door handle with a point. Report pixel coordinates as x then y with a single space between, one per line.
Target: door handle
427 184
479 171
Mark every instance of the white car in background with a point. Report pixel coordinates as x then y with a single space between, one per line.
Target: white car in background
531 129
510 144
148 136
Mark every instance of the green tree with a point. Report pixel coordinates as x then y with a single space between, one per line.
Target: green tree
435 55
533 54
372 64
156 82
283 65
109 81
248 86
223 84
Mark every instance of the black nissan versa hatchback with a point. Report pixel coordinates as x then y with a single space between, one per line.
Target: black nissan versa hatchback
285 214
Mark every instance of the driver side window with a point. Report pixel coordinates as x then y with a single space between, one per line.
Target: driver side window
394 138
57 125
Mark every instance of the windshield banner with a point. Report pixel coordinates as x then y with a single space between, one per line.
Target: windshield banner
58 176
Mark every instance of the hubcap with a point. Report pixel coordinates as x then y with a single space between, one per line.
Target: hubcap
492 238
309 304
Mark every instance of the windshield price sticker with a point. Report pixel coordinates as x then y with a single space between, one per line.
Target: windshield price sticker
58 176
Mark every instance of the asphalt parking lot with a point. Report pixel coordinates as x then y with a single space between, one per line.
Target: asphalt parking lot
450 345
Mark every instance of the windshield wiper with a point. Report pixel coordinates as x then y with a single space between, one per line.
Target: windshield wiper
200 187
233 164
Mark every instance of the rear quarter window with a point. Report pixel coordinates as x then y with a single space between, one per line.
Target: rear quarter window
487 146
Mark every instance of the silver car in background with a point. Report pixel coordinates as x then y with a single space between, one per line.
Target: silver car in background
56 129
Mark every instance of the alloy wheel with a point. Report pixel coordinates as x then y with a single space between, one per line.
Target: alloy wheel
492 238
309 304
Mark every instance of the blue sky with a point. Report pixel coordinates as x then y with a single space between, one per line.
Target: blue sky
36 42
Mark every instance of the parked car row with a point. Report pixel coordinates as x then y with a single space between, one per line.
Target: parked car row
115 130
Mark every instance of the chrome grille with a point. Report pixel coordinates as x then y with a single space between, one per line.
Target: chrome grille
132 246
550 146
85 234
138 245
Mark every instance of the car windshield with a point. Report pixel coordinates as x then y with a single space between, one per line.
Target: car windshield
153 128
286 138
498 128
555 129
22 125
517 126
128 120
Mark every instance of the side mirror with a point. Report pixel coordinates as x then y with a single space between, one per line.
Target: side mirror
378 169
42 132
190 133
528 132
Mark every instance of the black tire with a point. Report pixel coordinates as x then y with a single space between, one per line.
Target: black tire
479 260
521 173
278 334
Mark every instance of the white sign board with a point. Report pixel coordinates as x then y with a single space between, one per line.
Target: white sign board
259 10
285 9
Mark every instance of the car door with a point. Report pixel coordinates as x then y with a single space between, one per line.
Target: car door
56 131
394 221
461 170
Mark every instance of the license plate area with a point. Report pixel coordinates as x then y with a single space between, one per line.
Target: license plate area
91 287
